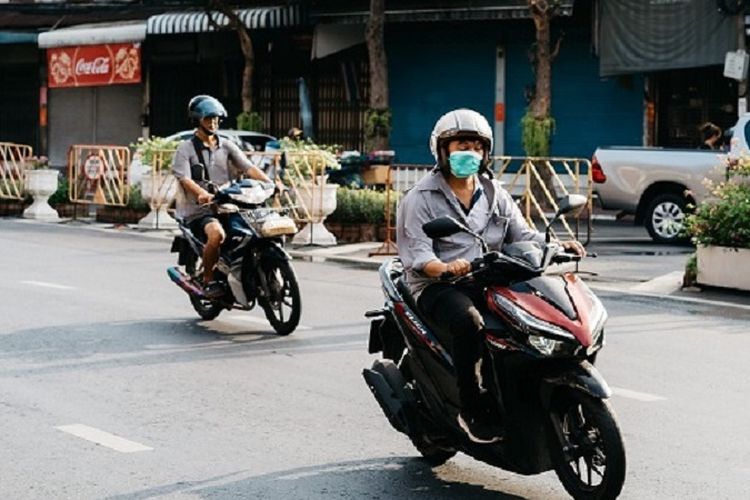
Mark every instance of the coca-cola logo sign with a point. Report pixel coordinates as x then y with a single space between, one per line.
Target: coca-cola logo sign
89 65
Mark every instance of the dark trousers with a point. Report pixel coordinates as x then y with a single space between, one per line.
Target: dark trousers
453 313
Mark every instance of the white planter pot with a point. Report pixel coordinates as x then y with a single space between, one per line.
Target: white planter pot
159 192
319 205
724 267
41 184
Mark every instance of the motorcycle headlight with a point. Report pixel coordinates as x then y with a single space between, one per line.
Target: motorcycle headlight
545 345
528 322
598 318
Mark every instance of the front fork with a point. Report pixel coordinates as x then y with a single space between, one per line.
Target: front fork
583 377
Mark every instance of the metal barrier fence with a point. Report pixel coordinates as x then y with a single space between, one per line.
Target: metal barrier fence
568 176
98 174
12 166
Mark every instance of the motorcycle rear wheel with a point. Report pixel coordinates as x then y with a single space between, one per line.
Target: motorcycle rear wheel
590 460
283 307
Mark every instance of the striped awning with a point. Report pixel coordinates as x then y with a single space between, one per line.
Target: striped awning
198 22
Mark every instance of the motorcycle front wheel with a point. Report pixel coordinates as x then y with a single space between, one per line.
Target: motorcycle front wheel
588 452
282 305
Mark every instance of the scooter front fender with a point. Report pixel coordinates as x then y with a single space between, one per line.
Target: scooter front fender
583 377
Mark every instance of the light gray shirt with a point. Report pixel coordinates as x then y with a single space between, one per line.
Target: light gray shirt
223 162
494 216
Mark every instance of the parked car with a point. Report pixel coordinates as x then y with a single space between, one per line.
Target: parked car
657 184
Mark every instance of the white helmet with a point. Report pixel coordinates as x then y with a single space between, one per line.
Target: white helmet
460 123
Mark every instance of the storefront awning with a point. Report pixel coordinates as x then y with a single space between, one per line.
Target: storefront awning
198 22
17 37
514 9
94 34
637 36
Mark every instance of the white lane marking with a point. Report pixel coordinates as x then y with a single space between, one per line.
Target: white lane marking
48 285
104 438
262 321
640 396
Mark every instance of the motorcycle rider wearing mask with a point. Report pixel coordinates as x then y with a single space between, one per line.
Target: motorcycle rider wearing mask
460 186
220 162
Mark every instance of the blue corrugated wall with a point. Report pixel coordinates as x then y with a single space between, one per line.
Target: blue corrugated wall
432 71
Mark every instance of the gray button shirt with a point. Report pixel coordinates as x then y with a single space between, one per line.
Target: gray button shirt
223 162
494 216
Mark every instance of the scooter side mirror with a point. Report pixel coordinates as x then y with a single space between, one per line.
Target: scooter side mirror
570 203
566 205
442 227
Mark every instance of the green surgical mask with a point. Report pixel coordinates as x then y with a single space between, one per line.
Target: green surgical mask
464 163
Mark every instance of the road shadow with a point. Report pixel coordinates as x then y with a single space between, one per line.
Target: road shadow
136 343
376 479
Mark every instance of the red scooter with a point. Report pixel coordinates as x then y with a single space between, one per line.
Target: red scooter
542 334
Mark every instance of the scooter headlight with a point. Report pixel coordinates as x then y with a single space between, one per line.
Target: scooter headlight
528 322
545 345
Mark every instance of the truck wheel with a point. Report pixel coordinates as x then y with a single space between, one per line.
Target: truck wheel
665 218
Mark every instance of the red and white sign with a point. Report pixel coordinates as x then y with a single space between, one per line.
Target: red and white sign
90 65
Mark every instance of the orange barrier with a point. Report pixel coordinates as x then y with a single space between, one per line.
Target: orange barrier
98 174
12 166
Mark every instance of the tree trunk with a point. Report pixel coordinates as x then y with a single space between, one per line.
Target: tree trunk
540 109
378 121
246 44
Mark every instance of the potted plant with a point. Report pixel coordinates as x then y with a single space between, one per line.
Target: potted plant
41 183
720 228
157 185
306 170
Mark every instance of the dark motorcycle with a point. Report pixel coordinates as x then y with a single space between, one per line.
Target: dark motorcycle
252 266
542 334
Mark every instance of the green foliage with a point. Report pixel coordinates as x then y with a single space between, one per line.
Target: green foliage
135 200
724 219
537 134
691 271
61 195
250 121
157 148
377 126
362 206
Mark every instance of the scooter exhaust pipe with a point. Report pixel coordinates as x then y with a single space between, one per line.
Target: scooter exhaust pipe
183 281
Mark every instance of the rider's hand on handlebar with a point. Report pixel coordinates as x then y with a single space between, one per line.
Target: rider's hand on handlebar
458 267
205 197
574 246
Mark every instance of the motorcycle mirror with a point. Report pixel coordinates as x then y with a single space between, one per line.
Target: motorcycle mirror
570 203
442 227
567 204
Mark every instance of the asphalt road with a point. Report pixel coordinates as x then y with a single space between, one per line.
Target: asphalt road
97 345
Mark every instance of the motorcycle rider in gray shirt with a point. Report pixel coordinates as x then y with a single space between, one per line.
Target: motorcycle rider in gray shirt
460 186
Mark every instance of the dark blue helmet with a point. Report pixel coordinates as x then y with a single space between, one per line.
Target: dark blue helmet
205 106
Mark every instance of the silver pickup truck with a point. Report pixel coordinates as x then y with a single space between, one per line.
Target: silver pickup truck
656 184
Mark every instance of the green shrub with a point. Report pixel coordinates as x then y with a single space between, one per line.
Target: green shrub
155 147
61 195
537 134
250 121
362 206
724 219
135 200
